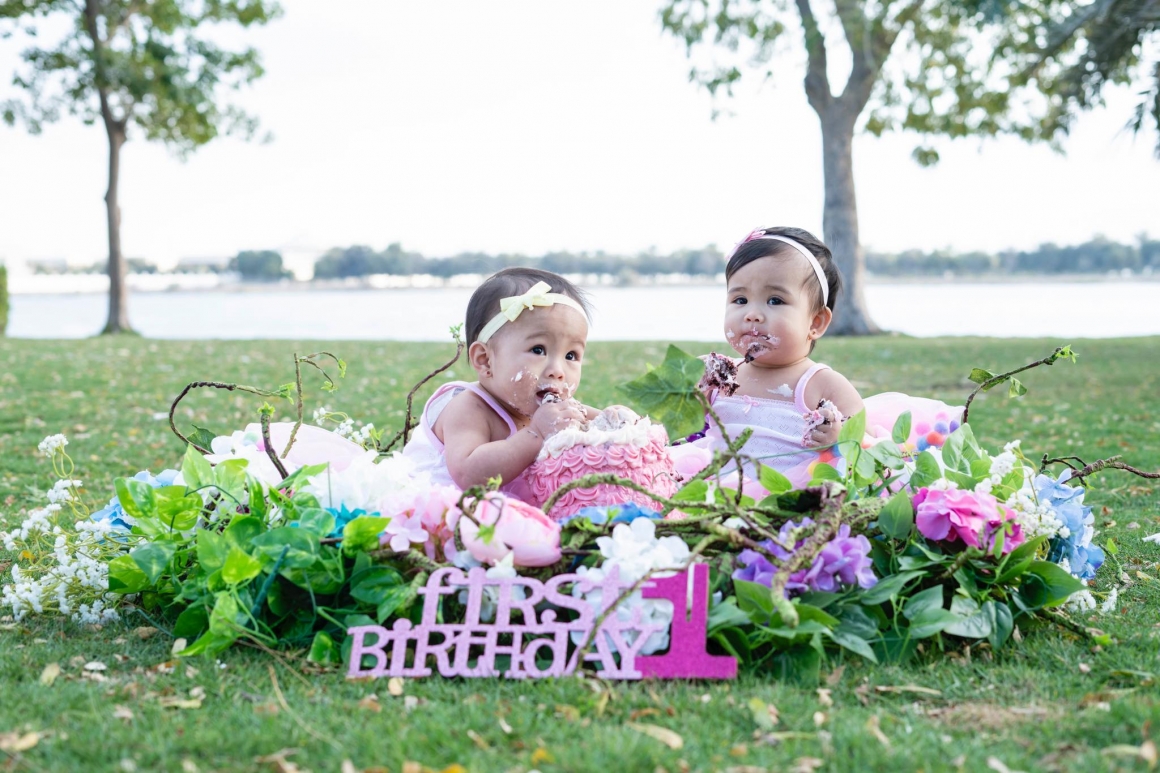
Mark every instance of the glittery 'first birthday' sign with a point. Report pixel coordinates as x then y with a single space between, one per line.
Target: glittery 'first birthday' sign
542 644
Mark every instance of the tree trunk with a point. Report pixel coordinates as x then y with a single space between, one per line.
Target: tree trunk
118 306
840 220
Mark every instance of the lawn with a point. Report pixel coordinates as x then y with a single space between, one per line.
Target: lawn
120 702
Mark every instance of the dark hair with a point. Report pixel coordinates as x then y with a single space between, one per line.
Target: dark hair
764 248
484 303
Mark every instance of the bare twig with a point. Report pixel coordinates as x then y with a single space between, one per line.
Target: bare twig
408 422
264 418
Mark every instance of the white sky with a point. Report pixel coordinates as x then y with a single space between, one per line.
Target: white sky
528 126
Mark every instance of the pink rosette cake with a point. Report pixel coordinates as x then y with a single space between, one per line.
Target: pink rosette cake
617 442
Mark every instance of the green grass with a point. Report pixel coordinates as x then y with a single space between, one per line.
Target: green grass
1049 702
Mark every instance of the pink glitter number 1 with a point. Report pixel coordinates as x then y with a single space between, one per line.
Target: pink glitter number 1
687 657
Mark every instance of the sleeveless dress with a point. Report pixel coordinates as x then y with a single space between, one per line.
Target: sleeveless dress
778 429
427 451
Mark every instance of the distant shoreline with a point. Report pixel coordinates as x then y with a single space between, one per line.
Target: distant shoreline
86 284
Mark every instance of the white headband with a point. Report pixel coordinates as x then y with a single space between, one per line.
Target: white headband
510 308
817 267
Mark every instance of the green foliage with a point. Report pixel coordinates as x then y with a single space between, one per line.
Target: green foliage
3 300
259 266
148 65
668 393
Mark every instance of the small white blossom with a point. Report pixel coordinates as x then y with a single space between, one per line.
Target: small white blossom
1081 602
50 444
983 486
1003 464
1012 445
1109 604
62 491
320 414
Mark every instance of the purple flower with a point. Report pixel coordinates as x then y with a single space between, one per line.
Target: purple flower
844 560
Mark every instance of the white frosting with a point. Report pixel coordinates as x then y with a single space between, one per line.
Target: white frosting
614 426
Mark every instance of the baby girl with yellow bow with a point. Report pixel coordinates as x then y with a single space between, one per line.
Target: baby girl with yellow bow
526 332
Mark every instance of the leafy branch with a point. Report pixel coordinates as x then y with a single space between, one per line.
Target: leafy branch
988 380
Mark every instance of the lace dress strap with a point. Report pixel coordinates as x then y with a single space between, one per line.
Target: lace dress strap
799 392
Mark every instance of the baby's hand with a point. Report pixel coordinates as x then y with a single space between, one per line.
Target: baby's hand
825 425
551 417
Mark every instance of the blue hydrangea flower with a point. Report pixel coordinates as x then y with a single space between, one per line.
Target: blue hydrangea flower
115 514
1074 541
625 513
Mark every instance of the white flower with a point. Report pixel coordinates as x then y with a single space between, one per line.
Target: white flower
942 484
1081 602
50 444
635 550
1109 604
1012 445
983 486
62 491
1003 463
321 413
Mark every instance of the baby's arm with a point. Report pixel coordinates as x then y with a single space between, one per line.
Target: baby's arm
835 388
473 456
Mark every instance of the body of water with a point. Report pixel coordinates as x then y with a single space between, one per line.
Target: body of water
1104 309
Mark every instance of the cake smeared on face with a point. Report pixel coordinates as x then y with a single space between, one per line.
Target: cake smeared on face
720 374
759 345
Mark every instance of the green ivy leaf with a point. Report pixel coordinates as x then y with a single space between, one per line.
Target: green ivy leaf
230 477
240 567
667 394
926 470
136 498
257 498
324 651
855 644
896 518
125 576
303 546
153 559
1057 583
201 436
822 473
888 588
772 480
901 430
853 428
316 520
212 550
362 534
1002 623
973 622
192 622
195 469
980 376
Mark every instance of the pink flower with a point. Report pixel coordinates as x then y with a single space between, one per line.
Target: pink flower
403 530
689 459
519 528
967 515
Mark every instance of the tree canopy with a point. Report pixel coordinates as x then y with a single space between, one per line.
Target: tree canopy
153 69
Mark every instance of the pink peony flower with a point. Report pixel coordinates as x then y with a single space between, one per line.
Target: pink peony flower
689 459
520 528
967 515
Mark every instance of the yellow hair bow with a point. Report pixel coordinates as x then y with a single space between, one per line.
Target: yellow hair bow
510 308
